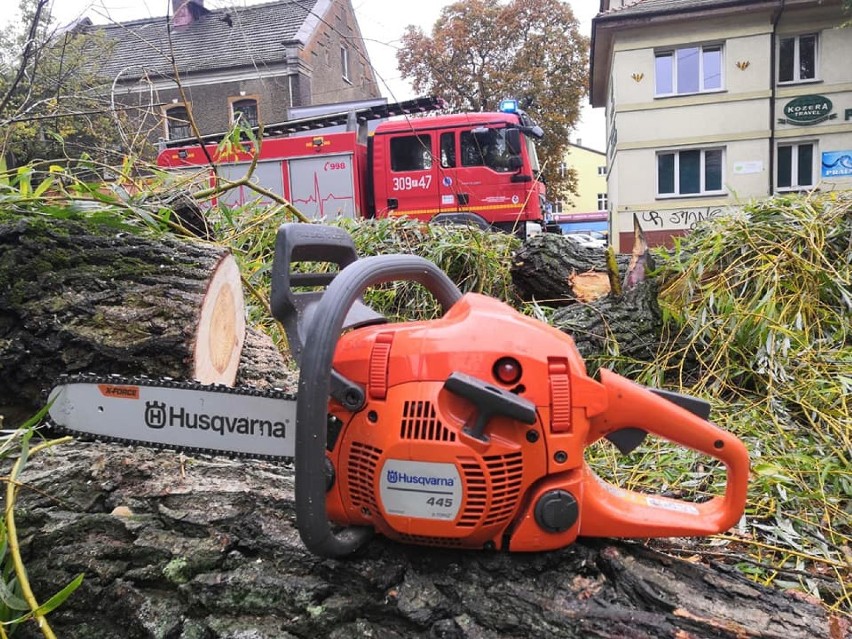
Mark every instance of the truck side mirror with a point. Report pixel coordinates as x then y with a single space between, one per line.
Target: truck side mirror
513 141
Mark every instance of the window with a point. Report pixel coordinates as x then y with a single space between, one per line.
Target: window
448 150
177 123
691 172
795 165
602 170
562 170
485 147
557 207
245 111
602 203
344 63
689 70
411 153
797 58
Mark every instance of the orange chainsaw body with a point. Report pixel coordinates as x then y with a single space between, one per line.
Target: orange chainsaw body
418 465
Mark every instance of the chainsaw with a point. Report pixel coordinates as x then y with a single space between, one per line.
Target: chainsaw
466 431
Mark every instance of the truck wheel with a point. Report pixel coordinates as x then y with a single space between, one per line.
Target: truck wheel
469 219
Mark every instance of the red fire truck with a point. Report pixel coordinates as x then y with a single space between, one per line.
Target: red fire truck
478 168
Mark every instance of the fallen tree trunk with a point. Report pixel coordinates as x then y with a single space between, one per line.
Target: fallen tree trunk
84 297
628 325
206 547
554 270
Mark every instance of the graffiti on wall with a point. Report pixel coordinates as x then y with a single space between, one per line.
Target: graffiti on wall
675 219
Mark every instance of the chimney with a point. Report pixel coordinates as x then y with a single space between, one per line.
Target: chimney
185 12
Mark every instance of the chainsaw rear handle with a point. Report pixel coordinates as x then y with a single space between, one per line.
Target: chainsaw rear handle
291 303
314 388
608 511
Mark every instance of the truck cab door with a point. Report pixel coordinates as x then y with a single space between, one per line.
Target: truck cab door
412 184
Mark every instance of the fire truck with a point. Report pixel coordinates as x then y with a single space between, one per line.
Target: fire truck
469 168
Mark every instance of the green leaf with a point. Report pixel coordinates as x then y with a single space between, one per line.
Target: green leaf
10 599
57 600
43 187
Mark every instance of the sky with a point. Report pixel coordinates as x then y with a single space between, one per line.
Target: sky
382 24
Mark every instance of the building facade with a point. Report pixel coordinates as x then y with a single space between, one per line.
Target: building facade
586 211
253 63
712 103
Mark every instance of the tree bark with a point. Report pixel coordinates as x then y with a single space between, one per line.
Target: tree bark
628 325
556 271
206 547
81 297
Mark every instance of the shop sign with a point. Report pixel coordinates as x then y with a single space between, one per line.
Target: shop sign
836 163
807 110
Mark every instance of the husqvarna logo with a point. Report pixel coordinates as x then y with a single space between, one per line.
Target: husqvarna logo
160 415
155 414
397 477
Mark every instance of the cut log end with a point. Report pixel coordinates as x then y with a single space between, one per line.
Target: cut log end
220 333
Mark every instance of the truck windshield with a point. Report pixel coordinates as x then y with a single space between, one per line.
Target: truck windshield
485 147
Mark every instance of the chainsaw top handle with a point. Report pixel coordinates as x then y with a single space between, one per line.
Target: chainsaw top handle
315 386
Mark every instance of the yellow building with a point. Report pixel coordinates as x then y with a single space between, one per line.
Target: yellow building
712 103
586 211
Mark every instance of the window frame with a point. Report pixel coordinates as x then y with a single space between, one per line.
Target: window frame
345 62
795 145
797 38
603 202
672 53
187 107
703 190
233 101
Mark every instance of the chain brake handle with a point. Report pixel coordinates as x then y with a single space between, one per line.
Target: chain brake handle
609 511
315 386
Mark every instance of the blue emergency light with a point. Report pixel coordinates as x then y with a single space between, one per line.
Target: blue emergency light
509 106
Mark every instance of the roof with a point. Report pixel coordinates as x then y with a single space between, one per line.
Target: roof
639 8
586 148
217 39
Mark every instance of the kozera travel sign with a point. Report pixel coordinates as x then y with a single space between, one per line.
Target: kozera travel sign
808 109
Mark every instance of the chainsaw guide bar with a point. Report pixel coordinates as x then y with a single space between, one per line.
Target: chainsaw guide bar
169 414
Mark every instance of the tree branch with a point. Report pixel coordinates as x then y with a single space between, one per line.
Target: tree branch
25 56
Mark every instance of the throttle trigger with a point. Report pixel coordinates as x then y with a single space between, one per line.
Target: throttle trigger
489 401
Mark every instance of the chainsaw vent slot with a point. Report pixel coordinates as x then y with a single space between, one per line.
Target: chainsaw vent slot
419 421
446 542
363 460
499 482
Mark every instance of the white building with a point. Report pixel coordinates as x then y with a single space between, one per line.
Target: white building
711 103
